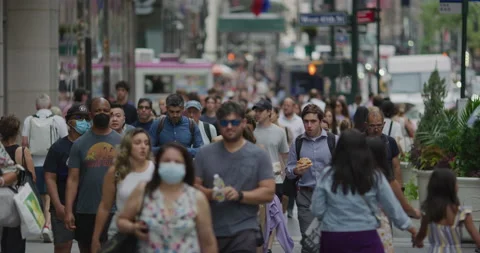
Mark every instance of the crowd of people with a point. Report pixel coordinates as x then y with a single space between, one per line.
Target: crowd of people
116 167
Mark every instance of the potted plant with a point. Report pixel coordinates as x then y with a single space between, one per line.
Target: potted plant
406 167
411 192
427 151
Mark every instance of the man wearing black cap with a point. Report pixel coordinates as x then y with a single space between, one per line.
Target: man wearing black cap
56 171
273 139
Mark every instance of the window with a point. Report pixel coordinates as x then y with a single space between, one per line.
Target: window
158 84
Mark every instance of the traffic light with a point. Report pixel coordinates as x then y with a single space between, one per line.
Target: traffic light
231 57
312 69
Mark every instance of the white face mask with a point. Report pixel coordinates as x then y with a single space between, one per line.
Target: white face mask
172 173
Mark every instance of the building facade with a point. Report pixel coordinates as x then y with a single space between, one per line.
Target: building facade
43 49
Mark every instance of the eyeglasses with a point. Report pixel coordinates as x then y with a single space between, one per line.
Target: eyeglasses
234 122
144 107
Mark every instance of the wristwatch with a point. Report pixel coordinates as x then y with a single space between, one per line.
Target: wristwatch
240 196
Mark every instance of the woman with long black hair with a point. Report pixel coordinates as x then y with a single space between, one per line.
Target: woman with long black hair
347 197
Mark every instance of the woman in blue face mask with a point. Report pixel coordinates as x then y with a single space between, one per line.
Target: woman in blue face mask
174 216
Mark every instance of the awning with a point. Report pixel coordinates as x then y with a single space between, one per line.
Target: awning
247 22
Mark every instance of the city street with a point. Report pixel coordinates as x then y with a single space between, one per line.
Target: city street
401 242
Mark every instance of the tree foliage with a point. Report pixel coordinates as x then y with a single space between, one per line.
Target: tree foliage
434 22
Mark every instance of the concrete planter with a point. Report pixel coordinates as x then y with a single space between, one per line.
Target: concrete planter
407 172
468 190
423 176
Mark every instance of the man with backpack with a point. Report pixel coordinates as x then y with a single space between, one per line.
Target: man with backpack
174 127
193 110
39 132
309 155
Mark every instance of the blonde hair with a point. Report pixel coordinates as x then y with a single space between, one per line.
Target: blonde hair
122 161
55 110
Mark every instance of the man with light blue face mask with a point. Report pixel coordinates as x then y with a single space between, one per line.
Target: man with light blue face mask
56 171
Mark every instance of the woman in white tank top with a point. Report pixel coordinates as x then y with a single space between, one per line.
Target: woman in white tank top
132 166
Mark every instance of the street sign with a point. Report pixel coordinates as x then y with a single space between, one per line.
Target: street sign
366 16
450 6
324 19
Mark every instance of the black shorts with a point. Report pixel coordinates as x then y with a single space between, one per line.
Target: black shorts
85 224
279 191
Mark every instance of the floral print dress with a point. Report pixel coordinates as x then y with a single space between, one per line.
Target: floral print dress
385 233
172 227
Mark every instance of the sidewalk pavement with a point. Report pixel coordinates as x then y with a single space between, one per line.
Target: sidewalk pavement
402 245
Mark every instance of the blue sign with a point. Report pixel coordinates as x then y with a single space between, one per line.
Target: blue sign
324 19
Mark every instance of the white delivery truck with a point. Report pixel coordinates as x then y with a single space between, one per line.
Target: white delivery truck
409 73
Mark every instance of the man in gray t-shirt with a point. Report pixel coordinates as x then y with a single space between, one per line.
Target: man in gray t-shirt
90 157
273 139
248 175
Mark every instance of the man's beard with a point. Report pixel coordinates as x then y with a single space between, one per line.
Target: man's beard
235 138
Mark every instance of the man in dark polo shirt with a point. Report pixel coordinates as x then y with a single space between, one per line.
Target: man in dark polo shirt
56 172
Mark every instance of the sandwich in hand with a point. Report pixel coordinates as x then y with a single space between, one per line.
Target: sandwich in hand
304 161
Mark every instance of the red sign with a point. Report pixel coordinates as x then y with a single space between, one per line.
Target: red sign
365 16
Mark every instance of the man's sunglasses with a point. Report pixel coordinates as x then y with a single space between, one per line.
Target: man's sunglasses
234 122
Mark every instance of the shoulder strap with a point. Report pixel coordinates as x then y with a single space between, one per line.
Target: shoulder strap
24 161
286 131
192 131
143 203
298 146
161 124
331 141
372 211
206 126
390 129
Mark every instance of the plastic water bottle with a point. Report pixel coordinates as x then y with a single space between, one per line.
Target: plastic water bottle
218 186
218 182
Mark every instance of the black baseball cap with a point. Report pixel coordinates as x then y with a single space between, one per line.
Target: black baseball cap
77 109
263 105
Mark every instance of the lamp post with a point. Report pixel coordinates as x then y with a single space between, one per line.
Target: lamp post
378 46
355 42
463 78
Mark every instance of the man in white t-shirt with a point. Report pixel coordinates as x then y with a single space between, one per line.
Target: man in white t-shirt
315 98
43 105
289 119
392 128
193 110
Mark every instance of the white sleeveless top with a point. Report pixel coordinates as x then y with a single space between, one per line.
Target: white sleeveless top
124 189
128 184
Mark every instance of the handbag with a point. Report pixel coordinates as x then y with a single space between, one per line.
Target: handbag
31 215
121 242
9 216
311 241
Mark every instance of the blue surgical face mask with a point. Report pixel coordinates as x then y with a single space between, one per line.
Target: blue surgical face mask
82 126
172 173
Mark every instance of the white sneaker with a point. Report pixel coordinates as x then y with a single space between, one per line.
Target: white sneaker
47 235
